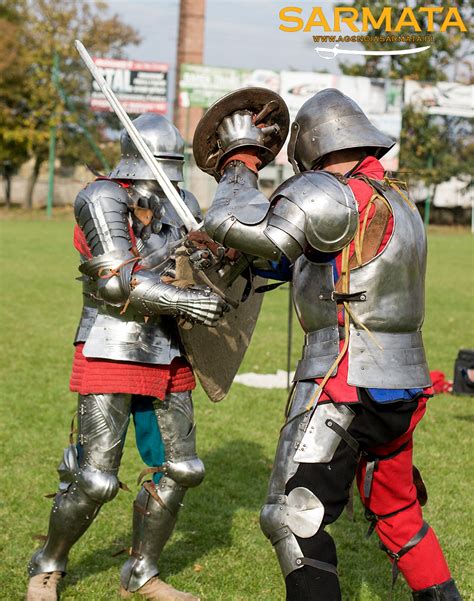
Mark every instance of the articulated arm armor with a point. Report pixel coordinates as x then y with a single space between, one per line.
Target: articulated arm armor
310 209
102 213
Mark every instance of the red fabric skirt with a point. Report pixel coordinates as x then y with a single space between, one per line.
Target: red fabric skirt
95 376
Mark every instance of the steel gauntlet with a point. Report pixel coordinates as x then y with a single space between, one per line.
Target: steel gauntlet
199 305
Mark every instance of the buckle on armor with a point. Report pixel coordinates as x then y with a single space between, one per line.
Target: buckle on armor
340 297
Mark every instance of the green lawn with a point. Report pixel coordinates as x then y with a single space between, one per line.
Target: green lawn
217 550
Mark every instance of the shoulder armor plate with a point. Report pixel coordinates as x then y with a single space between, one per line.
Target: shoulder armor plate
101 211
330 208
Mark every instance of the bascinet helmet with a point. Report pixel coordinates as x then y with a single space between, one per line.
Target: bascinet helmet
163 139
331 121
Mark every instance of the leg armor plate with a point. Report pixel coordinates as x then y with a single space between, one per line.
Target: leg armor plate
156 506
88 476
299 513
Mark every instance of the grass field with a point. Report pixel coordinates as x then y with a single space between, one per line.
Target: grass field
217 550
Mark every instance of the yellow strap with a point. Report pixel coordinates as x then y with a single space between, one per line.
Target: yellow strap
342 352
364 327
393 184
366 218
358 245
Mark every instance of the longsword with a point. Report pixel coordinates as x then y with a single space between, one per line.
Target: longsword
188 219
172 194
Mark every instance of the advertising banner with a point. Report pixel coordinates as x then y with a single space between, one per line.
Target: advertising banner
442 98
141 86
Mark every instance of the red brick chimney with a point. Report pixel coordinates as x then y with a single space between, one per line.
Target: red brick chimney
190 50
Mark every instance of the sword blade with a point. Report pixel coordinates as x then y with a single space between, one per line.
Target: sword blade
172 194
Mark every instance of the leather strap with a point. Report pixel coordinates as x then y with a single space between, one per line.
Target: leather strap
319 565
372 517
344 434
414 540
141 510
149 470
372 462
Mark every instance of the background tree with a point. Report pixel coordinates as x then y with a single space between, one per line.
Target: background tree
433 148
30 103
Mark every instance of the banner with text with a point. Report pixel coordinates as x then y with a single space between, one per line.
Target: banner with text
141 86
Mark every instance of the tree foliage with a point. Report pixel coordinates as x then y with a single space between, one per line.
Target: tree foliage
448 50
33 31
433 148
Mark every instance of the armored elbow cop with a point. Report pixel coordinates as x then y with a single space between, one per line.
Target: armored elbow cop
112 271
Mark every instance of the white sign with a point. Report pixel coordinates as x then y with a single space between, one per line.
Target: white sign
141 86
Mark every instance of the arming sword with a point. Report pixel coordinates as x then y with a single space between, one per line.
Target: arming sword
188 219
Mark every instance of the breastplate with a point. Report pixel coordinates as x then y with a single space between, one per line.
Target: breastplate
108 334
392 356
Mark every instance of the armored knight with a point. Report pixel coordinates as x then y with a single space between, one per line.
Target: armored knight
356 248
129 361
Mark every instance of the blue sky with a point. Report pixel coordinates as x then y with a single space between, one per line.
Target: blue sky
239 33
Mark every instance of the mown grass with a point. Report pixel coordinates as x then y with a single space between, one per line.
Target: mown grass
217 550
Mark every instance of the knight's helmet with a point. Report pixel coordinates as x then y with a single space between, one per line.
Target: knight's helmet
331 121
163 139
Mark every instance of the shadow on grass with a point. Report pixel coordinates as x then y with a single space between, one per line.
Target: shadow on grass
236 478
466 418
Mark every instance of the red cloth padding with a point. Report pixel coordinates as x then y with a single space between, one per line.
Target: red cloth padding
95 376
440 383
392 489
248 157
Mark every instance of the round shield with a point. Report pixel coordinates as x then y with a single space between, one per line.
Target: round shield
268 107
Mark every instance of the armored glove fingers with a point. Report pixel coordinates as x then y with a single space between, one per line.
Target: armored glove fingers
238 130
198 305
239 127
203 251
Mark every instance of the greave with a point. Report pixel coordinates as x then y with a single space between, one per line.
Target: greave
156 507
72 513
88 477
153 524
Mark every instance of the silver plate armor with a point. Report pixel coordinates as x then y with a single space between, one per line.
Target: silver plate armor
130 335
313 207
88 477
328 205
300 513
393 310
155 514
